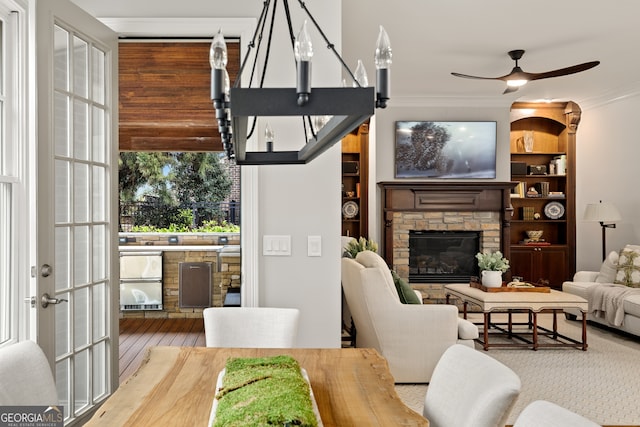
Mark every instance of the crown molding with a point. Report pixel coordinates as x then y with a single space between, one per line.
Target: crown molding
450 101
181 27
611 96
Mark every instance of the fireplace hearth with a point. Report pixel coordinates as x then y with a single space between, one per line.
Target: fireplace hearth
442 256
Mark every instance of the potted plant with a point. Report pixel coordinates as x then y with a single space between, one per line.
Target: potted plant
359 245
492 265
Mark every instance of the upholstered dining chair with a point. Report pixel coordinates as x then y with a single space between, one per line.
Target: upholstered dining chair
25 376
470 389
251 327
548 414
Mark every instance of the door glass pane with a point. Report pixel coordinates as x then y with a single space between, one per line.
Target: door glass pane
81 380
61 58
62 269
99 311
80 67
63 322
81 317
80 130
99 193
6 301
3 154
98 86
99 369
80 256
2 73
62 189
80 192
99 252
61 125
99 146
63 379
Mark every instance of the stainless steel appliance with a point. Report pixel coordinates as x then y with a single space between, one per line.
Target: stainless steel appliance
140 280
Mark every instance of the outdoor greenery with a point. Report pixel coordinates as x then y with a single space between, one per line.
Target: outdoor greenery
206 227
174 191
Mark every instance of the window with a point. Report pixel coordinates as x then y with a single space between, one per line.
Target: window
12 182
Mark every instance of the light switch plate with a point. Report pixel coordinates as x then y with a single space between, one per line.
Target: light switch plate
314 246
276 245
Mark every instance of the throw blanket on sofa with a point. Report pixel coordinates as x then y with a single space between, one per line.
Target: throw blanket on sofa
606 300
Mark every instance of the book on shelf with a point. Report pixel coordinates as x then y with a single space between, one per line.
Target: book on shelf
527 213
538 243
519 190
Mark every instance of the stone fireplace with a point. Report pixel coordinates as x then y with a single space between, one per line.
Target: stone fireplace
410 208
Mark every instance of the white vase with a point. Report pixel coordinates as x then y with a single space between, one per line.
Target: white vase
491 279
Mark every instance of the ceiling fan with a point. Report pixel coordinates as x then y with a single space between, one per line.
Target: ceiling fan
517 78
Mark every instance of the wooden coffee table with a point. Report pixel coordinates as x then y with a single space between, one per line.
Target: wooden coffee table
531 302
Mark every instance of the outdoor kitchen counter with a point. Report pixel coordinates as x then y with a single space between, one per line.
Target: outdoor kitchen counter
166 248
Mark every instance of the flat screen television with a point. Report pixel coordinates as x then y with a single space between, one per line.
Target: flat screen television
456 149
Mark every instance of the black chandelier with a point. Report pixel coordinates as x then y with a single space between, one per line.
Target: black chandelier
347 107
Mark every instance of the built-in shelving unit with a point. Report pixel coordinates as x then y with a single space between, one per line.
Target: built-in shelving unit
543 143
355 169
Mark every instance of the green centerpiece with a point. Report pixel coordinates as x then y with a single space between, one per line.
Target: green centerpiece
266 391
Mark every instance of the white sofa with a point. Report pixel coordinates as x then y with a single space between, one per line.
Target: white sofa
411 337
585 283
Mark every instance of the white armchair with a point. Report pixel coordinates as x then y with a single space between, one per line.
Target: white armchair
470 389
548 414
25 376
412 337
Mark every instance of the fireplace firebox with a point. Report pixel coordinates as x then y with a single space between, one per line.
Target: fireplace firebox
443 256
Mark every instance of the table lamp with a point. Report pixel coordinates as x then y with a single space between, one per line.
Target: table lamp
606 214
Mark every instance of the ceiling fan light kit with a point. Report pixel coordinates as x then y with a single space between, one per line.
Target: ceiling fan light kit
518 78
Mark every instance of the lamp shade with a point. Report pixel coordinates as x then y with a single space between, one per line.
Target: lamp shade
602 212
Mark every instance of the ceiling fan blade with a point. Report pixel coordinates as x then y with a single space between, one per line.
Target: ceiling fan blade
563 71
510 89
517 77
466 76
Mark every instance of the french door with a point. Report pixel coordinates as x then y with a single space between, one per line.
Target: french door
75 270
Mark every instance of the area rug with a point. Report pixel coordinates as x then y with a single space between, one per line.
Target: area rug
602 384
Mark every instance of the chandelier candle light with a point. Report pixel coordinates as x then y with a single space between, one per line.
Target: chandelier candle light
347 107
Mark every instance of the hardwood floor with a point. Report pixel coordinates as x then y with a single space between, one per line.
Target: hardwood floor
138 334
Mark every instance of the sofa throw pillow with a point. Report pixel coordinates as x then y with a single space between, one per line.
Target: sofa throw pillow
628 272
405 291
609 268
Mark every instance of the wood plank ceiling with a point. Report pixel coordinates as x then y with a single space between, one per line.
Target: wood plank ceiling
165 95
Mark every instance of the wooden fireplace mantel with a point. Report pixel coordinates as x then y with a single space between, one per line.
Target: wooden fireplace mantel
420 196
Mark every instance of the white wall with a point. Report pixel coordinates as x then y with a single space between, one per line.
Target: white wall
304 200
607 168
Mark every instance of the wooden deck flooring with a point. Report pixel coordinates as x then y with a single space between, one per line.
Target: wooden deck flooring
138 334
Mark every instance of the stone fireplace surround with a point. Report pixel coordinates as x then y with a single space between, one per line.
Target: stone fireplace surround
470 206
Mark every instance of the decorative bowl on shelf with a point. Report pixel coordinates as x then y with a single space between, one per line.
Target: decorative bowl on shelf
534 235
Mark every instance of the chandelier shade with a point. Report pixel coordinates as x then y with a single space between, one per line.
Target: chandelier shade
346 108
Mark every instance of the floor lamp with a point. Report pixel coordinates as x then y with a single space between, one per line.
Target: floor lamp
606 214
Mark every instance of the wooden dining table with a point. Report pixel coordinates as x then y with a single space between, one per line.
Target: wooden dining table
175 386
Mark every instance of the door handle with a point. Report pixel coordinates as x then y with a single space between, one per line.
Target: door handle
46 300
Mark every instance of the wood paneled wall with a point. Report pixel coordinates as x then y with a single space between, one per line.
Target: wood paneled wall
165 95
